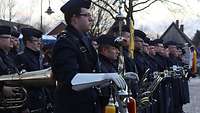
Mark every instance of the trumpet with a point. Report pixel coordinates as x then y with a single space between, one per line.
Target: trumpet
145 95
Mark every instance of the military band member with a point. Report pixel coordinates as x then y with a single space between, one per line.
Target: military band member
31 60
129 63
73 60
6 65
151 57
140 60
177 83
160 51
108 53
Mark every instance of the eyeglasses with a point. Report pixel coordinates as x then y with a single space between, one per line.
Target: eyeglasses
85 14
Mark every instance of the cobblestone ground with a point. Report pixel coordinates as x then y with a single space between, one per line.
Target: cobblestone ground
194 105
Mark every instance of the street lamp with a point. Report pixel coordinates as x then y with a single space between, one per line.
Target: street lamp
49 12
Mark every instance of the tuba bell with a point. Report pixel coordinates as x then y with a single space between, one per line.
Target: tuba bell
34 78
25 79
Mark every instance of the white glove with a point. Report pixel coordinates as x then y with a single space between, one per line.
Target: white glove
117 79
86 80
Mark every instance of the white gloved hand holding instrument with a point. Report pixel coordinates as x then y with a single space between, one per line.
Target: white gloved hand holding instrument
83 81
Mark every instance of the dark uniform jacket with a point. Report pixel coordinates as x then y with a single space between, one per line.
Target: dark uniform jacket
13 53
6 64
73 54
130 66
31 61
6 67
152 64
180 89
141 63
163 62
129 63
106 65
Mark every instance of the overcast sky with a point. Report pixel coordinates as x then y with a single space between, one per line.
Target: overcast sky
155 19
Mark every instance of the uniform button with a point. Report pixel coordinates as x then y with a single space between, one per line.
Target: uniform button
95 103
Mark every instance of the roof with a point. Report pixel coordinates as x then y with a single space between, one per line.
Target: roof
57 29
173 31
196 39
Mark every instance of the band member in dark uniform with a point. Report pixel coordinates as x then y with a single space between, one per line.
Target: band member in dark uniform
177 83
73 58
108 54
31 60
140 59
6 65
130 65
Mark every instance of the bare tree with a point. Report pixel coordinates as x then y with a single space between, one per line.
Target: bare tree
129 6
102 20
11 5
6 9
3 9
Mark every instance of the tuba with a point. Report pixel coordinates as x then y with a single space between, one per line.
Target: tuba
25 79
34 78
14 102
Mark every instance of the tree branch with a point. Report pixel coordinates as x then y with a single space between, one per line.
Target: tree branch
141 3
98 20
172 3
109 6
125 8
145 6
104 9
